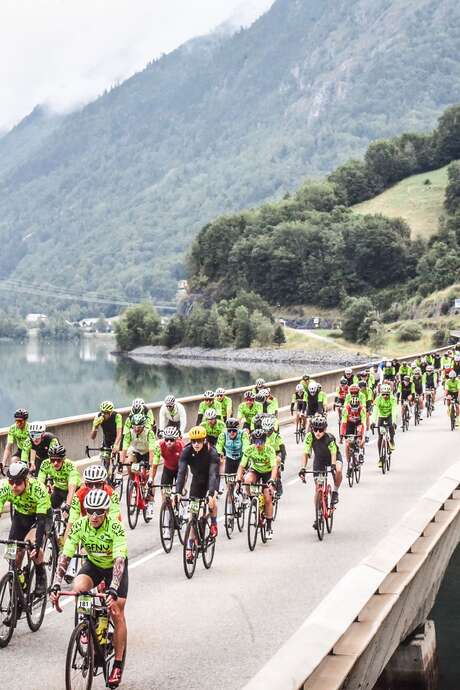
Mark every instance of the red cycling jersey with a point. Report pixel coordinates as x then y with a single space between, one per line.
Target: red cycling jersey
83 490
171 452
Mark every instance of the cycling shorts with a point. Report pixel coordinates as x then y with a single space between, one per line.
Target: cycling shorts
368 405
168 476
139 457
22 524
261 476
231 465
98 575
317 472
454 396
352 428
58 497
199 487
300 405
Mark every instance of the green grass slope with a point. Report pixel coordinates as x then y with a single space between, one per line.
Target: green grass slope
419 203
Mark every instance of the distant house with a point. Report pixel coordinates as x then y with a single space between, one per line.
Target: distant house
182 285
36 319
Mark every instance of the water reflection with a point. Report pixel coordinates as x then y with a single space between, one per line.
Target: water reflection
55 379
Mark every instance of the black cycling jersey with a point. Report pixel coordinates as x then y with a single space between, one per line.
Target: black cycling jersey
313 405
429 381
109 430
406 391
418 383
321 449
42 448
204 466
437 361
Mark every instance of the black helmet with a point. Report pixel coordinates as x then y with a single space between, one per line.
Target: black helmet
258 435
319 423
57 451
21 413
17 471
258 420
232 423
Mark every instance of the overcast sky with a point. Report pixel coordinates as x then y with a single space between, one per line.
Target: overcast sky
66 52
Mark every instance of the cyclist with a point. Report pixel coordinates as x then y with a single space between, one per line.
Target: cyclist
224 402
419 390
259 464
36 449
388 373
326 454
316 402
207 403
259 384
213 425
348 374
430 382
456 364
18 434
171 447
32 515
451 389
204 463
139 443
367 392
353 424
111 424
396 365
341 393
94 477
138 406
104 541
405 393
355 391
298 403
385 412
231 444
404 370
64 476
172 413
446 360
248 409
437 361
304 381
275 439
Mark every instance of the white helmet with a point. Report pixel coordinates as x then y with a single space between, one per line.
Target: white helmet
137 405
348 371
97 499
452 374
268 424
457 357
299 388
429 368
385 389
170 401
37 428
95 474
210 414
313 387
219 391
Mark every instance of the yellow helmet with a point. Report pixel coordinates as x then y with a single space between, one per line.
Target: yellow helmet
197 433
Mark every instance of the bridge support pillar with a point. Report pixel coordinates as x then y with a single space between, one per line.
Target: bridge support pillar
414 665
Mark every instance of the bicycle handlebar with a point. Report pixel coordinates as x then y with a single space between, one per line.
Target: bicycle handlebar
98 595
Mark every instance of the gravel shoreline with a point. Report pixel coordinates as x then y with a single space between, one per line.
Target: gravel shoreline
261 355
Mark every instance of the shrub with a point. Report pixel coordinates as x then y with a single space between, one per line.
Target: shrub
408 332
440 337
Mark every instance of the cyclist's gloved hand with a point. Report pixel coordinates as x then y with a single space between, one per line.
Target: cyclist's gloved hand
302 473
149 482
65 508
55 589
112 593
211 494
372 427
238 486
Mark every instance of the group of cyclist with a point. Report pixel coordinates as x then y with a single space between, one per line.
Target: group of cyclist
246 446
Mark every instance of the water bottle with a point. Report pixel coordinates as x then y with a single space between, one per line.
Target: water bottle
22 579
101 628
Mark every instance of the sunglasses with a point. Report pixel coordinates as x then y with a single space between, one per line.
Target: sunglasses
233 431
15 482
98 512
170 440
197 442
56 460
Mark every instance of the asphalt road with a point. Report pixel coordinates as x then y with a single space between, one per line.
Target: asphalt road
218 629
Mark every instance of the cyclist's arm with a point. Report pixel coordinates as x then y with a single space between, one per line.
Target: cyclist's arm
220 443
307 448
119 428
214 467
8 449
42 475
242 466
182 471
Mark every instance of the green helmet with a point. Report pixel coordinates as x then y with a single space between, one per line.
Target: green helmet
106 406
138 419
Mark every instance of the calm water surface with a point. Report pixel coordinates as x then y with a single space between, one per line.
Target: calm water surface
55 379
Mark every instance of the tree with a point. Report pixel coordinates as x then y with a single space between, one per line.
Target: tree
173 332
452 198
262 329
358 318
279 337
138 325
242 327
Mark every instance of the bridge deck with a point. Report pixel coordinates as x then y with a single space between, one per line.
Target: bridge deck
219 629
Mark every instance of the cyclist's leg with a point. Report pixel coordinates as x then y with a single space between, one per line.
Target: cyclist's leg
117 612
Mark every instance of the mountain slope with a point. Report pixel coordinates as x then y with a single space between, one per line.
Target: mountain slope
110 196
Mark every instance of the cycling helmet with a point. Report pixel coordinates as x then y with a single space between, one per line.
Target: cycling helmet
137 405
354 401
348 371
17 471
354 389
430 369
138 419
197 433
260 396
260 383
21 413
406 378
385 389
449 353
268 424
210 414
343 381
258 435
36 429
394 361
106 406
306 377
57 451
257 421
171 433
452 374
319 422
232 423
170 401
362 385
219 392
363 374
313 387
208 395
95 474
388 364
417 371
97 499
249 395
299 388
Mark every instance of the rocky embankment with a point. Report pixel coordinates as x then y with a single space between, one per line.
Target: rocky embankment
328 358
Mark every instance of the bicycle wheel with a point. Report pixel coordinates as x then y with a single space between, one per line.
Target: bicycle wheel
297 434
275 508
357 471
253 523
8 608
51 555
263 529
181 517
79 664
190 546
416 414
302 433
208 543
131 503
350 474
229 514
329 517
167 526
319 515
452 417
240 511
35 605
383 455
388 460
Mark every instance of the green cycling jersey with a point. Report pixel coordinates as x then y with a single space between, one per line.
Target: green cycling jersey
385 408
102 544
149 424
35 499
308 444
18 436
261 459
224 407
61 478
248 412
214 430
452 385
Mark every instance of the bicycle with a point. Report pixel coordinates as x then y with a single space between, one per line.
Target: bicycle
429 402
405 416
416 410
354 464
257 521
300 428
452 409
173 517
235 507
17 593
197 538
137 492
112 464
90 651
384 448
324 510
53 542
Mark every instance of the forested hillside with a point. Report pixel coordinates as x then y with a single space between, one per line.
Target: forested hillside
109 198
